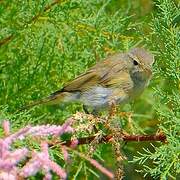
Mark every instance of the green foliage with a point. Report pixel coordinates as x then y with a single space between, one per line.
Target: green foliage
166 38
43 45
51 44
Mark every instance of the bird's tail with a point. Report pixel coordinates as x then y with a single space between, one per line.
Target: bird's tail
52 99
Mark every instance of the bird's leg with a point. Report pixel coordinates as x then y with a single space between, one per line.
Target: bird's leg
94 111
85 109
95 114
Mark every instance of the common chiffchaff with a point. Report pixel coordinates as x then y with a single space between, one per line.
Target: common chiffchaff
116 79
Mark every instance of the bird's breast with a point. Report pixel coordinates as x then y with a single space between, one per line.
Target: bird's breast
97 96
139 84
100 97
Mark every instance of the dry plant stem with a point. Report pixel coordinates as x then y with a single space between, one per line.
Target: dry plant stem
93 145
107 138
119 172
112 110
112 113
116 137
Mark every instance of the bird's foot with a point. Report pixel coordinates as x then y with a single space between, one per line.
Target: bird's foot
85 109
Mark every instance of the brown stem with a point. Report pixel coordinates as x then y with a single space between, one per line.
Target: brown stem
107 138
34 18
6 40
52 4
45 10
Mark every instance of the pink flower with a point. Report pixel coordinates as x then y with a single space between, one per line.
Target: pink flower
74 143
101 168
38 161
41 161
65 153
6 127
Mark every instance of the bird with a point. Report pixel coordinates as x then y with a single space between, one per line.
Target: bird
117 79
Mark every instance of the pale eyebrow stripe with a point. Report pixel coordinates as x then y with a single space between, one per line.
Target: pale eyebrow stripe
133 57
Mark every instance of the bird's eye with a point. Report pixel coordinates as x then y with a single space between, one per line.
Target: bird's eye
135 62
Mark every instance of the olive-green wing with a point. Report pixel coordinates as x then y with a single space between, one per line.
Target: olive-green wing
82 82
100 74
92 77
120 80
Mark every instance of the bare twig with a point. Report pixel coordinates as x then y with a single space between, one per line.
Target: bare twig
6 40
34 18
46 8
108 138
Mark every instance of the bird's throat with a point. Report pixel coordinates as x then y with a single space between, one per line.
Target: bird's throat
139 83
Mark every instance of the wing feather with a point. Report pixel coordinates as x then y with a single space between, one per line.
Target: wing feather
104 73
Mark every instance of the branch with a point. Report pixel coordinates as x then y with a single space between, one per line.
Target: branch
6 40
107 138
34 18
46 8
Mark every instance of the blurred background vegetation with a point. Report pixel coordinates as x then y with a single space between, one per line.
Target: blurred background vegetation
45 43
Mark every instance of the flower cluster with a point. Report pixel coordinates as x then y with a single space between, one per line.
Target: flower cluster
18 163
38 161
